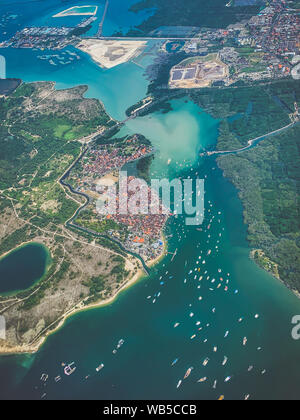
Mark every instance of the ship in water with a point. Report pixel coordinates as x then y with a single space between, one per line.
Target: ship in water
100 367
69 369
120 343
188 372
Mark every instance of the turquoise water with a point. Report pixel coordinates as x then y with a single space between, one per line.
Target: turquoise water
80 10
22 268
118 87
141 369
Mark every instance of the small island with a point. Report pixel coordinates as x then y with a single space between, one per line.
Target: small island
78 11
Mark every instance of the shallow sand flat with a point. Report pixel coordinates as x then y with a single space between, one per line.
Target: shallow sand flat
77 11
110 54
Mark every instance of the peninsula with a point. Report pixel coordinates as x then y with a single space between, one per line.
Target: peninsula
86 268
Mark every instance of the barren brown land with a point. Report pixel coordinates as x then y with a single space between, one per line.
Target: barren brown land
198 72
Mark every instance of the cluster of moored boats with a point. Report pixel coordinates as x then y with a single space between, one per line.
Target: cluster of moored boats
200 276
70 368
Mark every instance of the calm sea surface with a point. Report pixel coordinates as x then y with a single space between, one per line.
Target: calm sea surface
185 290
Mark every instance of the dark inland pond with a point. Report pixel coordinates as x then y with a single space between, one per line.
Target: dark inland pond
23 267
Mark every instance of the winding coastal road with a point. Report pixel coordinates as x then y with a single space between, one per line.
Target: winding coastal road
251 143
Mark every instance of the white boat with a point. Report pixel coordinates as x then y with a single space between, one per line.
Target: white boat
120 343
227 379
226 334
245 341
206 361
100 367
69 369
179 383
225 361
188 372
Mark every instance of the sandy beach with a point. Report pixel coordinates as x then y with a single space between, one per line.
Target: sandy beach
109 54
72 11
33 348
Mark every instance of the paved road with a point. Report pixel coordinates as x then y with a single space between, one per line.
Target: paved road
250 143
143 38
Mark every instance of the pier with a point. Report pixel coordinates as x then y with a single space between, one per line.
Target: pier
100 29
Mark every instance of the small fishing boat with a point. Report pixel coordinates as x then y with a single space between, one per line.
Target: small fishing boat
188 372
100 367
44 377
120 343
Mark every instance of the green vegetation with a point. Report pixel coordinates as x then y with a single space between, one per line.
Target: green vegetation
213 14
266 176
268 180
24 90
38 144
249 112
88 220
143 168
98 284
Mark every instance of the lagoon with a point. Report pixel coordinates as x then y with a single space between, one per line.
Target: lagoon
23 267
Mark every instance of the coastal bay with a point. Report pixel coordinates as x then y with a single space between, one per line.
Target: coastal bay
145 315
